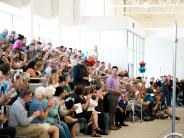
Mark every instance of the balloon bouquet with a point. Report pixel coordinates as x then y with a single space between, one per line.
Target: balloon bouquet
142 68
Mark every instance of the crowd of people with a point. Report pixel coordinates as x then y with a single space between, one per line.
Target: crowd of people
72 93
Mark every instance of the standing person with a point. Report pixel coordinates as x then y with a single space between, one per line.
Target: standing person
113 88
169 94
80 73
165 90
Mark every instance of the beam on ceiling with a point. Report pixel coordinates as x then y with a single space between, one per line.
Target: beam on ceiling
148 6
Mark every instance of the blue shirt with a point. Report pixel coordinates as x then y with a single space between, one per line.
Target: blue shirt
148 98
53 112
36 105
4 37
18 114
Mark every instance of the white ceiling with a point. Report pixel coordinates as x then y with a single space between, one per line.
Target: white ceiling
151 13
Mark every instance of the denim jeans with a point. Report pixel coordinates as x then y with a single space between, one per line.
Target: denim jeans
64 131
106 117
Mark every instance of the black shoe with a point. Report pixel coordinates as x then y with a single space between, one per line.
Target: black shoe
147 119
163 117
151 118
114 128
96 135
99 131
105 133
123 124
117 125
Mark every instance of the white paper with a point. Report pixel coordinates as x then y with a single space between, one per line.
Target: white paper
90 108
79 109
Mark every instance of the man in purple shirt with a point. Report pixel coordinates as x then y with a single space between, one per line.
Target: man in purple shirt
113 88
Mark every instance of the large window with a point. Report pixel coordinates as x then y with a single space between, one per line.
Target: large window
11 18
6 21
18 24
135 46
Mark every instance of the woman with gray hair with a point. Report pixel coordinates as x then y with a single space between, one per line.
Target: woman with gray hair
36 104
53 116
19 119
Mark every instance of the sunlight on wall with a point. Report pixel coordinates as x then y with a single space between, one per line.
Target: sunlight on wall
11 18
92 8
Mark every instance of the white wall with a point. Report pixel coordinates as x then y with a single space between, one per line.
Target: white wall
66 12
159 52
43 8
87 8
158 56
110 37
15 3
111 45
62 19
112 23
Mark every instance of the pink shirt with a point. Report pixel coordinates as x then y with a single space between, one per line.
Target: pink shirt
17 44
113 82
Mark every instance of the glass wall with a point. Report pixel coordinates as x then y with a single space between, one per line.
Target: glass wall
120 47
10 20
135 45
6 20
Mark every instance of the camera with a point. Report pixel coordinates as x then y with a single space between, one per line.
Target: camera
20 71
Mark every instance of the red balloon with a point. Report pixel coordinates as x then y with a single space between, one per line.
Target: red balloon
142 63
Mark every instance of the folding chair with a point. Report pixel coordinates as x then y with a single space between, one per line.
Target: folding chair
131 107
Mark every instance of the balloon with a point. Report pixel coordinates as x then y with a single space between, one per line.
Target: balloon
142 69
142 63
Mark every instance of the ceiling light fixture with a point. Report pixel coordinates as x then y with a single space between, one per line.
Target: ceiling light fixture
135 2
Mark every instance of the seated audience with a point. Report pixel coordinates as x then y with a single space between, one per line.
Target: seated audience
53 116
19 119
36 105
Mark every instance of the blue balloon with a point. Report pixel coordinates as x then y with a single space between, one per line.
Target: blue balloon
142 69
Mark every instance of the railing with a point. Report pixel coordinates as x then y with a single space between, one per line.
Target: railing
172 135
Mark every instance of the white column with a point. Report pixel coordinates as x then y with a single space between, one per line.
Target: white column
109 9
28 10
